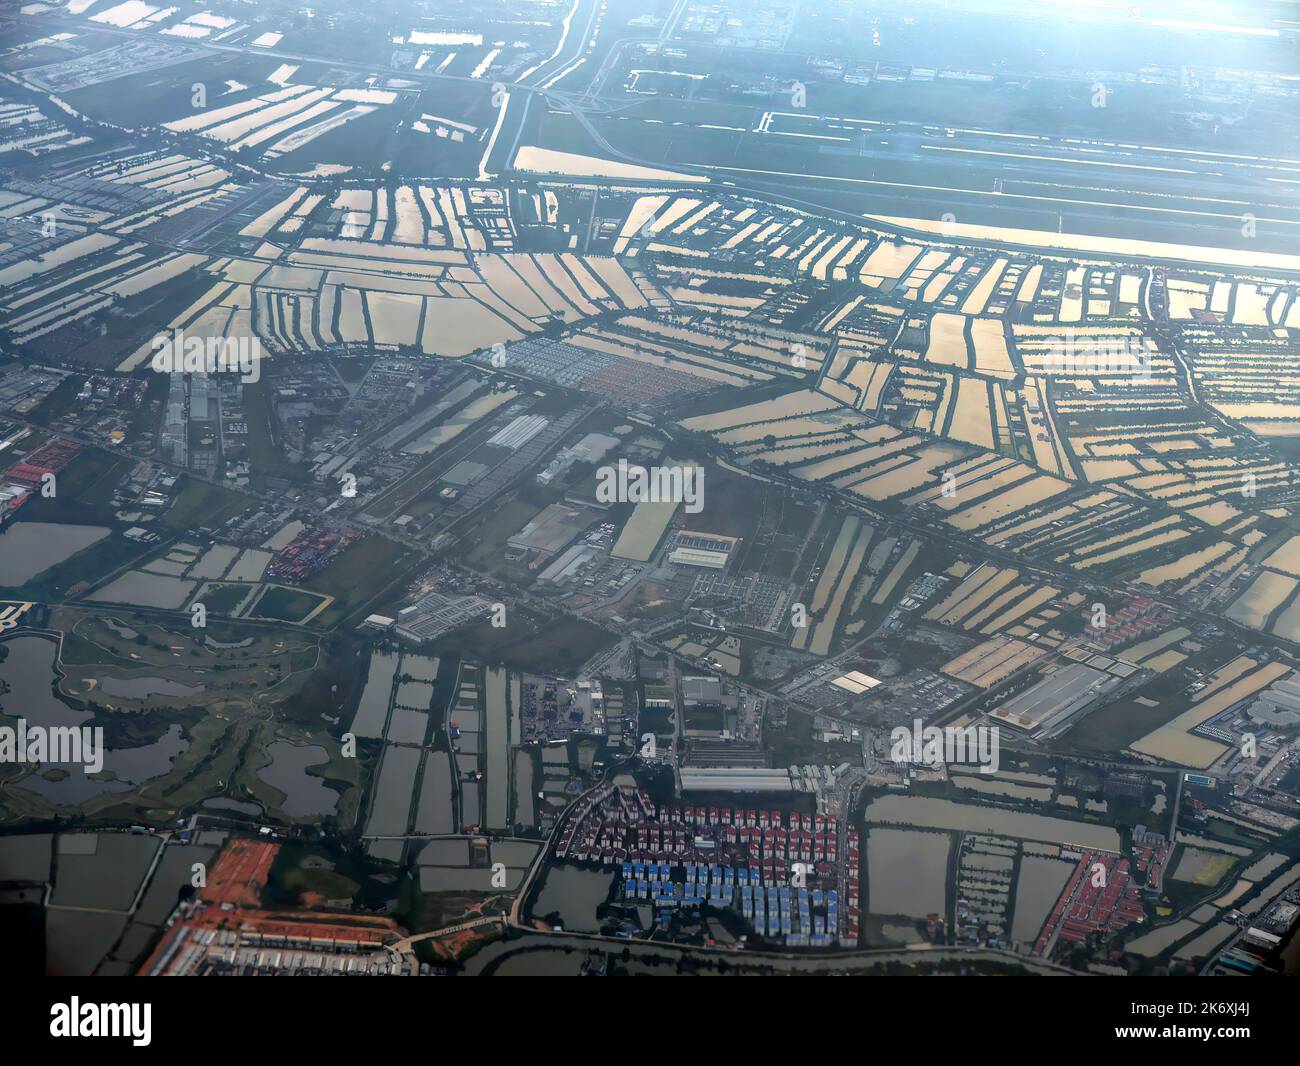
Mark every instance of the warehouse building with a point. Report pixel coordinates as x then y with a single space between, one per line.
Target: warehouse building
552 530
1047 708
435 614
710 560
735 779
519 432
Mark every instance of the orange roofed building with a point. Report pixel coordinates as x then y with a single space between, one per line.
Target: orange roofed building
225 931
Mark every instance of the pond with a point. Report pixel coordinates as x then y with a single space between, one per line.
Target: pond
28 674
146 590
973 818
28 548
390 799
434 813
128 766
304 794
1038 888
372 709
573 893
907 872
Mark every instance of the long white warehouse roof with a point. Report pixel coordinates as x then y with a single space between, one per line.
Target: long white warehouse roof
735 779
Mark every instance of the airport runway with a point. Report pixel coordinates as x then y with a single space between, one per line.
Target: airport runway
985 177
857 166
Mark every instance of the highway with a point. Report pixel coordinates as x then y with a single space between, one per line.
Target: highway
576 32
762 962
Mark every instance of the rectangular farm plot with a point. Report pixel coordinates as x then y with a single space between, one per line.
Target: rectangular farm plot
791 405
991 354
390 800
888 260
1014 499
644 530
1266 593
1286 558
1174 741
947 342
971 420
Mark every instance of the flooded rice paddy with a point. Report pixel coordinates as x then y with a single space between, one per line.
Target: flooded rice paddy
29 548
